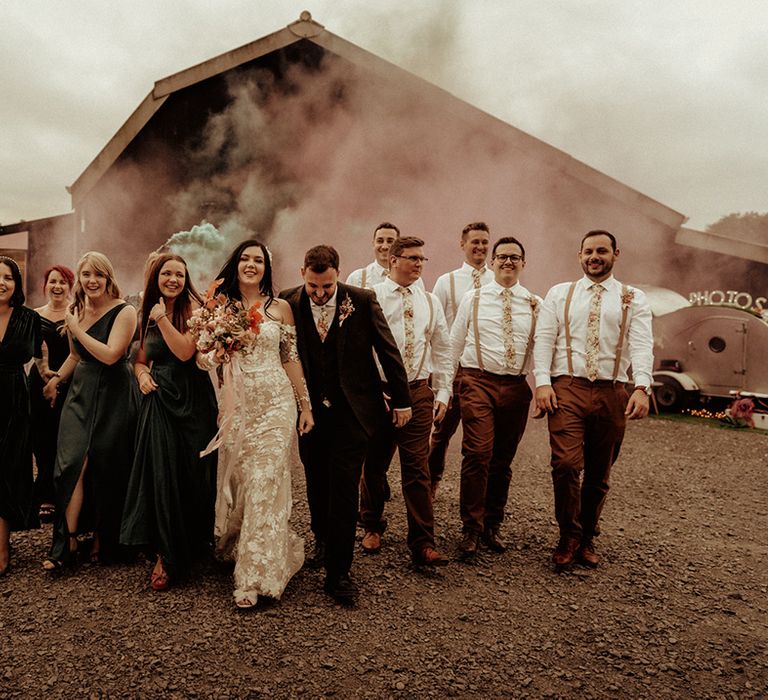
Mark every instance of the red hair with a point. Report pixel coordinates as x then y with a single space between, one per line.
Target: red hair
64 271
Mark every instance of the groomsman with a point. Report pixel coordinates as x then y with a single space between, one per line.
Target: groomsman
589 333
339 329
492 339
449 289
384 236
418 326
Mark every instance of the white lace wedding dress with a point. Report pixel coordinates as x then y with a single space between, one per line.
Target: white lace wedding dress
253 502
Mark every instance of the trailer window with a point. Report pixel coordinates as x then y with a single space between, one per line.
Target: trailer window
716 344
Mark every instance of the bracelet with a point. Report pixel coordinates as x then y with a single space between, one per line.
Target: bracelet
155 321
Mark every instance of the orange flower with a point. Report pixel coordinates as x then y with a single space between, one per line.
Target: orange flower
210 302
255 317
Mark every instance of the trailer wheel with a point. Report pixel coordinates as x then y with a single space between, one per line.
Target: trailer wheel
670 395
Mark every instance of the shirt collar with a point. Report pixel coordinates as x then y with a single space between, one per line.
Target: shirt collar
379 270
393 286
468 268
607 283
496 288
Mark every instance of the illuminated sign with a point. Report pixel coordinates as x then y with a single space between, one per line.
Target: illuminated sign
743 300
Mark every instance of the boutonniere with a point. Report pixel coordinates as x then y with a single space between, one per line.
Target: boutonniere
626 298
534 302
345 310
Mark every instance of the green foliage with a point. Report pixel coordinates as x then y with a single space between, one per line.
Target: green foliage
750 226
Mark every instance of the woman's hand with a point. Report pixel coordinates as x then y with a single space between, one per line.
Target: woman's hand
146 383
51 390
72 321
48 374
157 311
306 421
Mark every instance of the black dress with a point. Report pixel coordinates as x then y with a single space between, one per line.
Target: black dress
19 345
45 418
98 421
171 492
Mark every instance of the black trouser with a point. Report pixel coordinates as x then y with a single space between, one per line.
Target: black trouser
333 453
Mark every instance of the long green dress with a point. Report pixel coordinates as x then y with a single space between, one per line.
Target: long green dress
20 343
98 421
171 493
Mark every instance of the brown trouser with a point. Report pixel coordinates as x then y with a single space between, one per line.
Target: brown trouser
494 411
412 441
443 432
585 434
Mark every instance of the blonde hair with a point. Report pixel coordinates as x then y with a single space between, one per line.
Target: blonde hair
100 263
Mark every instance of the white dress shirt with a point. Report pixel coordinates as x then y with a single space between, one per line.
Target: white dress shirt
489 323
550 354
462 282
330 307
374 273
437 361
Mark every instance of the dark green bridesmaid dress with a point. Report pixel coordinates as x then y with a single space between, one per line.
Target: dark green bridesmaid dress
98 421
171 493
19 345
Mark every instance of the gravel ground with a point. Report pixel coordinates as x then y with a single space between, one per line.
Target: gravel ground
678 608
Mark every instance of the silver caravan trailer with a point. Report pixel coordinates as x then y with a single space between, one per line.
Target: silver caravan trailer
708 351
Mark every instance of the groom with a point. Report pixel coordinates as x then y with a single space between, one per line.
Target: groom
339 327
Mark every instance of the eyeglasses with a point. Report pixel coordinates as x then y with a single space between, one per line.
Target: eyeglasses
503 257
413 258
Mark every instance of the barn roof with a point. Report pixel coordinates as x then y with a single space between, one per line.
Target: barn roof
307 29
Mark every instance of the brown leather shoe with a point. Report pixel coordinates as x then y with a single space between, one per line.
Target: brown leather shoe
492 539
565 552
587 554
372 543
468 545
429 556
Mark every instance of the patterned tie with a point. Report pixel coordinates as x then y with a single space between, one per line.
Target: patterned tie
322 323
476 275
410 338
506 327
592 349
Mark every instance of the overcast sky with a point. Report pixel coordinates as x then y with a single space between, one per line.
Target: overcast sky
670 98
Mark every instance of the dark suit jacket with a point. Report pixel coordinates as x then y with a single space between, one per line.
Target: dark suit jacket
361 332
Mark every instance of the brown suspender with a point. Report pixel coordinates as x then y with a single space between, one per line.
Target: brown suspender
567 323
428 334
476 329
622 330
363 277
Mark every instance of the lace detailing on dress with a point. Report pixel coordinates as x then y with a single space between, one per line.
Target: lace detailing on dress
289 351
254 529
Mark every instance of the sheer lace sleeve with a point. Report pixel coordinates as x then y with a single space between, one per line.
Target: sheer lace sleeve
289 351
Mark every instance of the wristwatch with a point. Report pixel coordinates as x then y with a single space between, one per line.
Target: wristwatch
645 389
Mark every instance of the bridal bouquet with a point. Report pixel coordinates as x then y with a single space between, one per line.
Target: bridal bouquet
223 327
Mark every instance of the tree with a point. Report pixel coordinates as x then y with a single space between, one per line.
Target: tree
749 226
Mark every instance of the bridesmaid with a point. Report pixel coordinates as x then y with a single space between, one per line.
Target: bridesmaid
98 420
171 492
19 342
57 285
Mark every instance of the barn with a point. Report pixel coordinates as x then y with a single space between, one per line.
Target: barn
302 137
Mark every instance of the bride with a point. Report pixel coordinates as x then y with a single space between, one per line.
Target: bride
253 502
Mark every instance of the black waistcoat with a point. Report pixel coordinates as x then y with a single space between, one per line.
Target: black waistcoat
323 380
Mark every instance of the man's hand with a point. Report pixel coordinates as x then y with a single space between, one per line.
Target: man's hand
400 416
546 400
638 405
439 411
